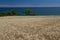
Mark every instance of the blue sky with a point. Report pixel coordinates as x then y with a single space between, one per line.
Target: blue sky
22 3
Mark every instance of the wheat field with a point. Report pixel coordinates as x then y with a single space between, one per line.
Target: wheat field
30 28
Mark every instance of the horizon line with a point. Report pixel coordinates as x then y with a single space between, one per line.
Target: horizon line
29 5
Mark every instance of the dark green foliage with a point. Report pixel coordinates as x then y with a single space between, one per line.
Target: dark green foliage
9 13
14 12
29 12
33 14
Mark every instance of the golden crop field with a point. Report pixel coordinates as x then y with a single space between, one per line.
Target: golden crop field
30 28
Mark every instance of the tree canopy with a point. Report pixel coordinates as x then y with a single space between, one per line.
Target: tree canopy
29 12
9 13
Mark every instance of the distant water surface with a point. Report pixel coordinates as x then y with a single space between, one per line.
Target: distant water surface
36 10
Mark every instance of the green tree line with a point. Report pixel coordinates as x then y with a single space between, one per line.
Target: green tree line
14 13
9 13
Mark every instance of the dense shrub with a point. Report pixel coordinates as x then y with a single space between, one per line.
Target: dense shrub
9 13
29 12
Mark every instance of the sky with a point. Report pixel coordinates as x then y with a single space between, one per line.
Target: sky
29 3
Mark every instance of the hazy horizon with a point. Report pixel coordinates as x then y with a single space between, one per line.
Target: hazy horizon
29 5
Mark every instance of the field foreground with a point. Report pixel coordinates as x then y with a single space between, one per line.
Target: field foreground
30 28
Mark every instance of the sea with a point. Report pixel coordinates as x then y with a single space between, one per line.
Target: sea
36 10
